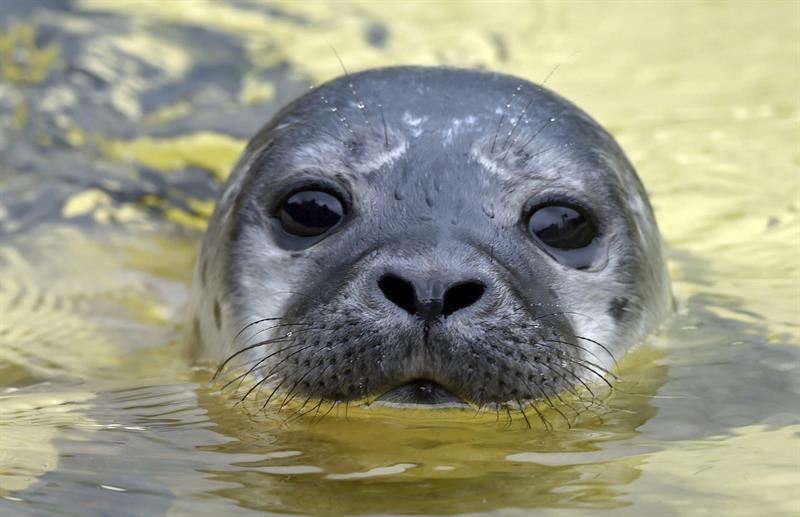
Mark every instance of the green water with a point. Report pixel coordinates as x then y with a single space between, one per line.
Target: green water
119 120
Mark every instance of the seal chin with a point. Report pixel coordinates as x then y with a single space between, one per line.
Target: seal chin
420 393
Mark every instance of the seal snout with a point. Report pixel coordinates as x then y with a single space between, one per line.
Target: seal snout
430 296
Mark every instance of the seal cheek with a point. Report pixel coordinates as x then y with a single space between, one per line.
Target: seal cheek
617 308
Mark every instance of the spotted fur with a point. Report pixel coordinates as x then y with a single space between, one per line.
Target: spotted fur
437 173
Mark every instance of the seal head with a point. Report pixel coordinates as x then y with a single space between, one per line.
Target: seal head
429 235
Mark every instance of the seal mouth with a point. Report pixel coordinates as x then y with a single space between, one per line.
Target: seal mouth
421 392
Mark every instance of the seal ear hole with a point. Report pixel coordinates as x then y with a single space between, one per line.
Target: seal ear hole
566 232
217 314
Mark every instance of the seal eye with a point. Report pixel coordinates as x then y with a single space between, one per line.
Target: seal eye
309 213
566 233
561 227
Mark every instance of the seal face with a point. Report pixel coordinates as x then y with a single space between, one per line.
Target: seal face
429 235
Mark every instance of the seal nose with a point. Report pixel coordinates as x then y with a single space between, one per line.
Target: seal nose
430 298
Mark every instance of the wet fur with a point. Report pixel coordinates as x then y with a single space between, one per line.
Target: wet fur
439 163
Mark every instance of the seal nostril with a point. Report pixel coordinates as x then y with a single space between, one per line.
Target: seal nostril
461 296
426 300
398 291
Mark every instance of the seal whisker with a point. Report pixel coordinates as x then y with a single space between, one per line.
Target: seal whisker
544 420
273 370
549 315
251 347
549 75
581 363
283 361
599 367
578 362
614 359
509 418
310 396
334 403
274 391
505 147
599 375
578 378
530 156
522 410
243 350
480 404
256 363
296 384
563 402
542 390
298 410
253 388
267 329
605 348
362 106
256 322
544 126
568 384
335 110
497 132
385 129
579 347
553 406
298 415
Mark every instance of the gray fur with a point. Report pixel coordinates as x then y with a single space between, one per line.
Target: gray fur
439 190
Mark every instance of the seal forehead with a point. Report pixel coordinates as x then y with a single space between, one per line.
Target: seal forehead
373 119
349 153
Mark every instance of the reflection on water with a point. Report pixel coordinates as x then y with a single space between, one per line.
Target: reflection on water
119 120
441 462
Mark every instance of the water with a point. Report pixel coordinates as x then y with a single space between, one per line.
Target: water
119 120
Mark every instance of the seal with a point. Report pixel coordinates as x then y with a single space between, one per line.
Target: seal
428 235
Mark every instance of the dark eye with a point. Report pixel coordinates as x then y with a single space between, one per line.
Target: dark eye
562 227
567 234
309 213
